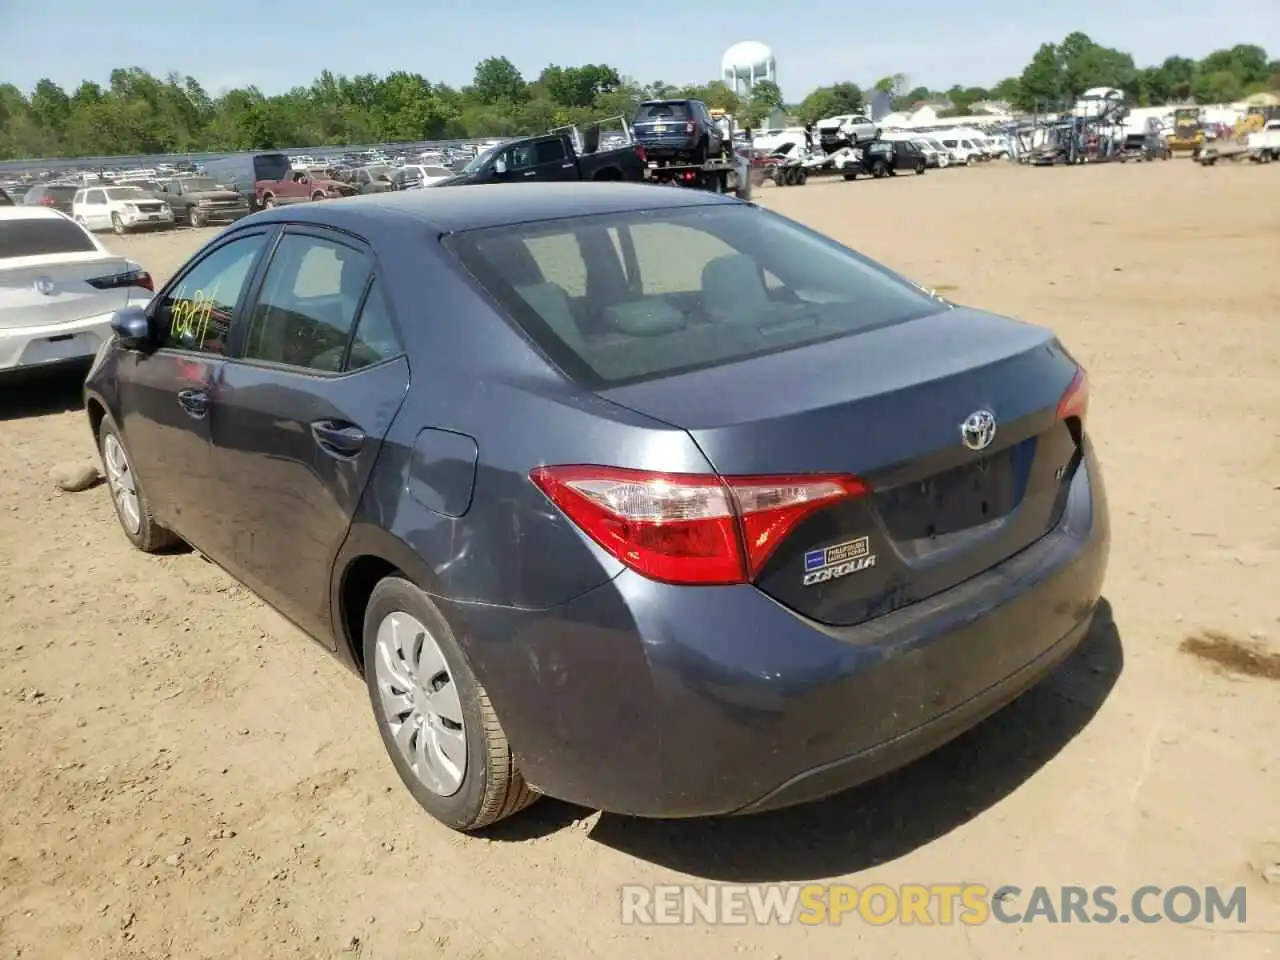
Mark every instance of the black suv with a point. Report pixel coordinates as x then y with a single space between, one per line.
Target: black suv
677 129
885 158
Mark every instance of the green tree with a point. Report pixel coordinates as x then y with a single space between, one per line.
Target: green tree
138 113
498 81
1042 84
832 101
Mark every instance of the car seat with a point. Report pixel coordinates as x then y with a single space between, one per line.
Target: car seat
551 303
733 288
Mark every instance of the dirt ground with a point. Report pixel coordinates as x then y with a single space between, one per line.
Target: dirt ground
184 775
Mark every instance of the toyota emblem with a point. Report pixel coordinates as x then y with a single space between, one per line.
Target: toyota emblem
45 285
979 430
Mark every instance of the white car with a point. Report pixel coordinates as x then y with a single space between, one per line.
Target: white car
119 209
430 174
962 150
59 288
935 157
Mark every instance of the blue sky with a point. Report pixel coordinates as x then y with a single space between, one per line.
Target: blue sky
935 42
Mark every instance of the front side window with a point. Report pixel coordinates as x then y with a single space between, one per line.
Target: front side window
196 312
632 296
307 307
520 157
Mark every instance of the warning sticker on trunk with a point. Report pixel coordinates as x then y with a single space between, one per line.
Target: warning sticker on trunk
837 560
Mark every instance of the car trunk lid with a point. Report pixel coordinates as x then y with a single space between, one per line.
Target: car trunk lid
887 406
58 288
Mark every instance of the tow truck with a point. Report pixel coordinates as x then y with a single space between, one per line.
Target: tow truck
1262 146
730 172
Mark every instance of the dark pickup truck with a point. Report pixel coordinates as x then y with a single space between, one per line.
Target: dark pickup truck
550 157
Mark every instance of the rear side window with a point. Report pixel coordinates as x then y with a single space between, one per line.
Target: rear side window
40 236
550 151
308 304
633 296
659 111
375 338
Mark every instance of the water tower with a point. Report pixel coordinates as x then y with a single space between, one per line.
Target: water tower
747 63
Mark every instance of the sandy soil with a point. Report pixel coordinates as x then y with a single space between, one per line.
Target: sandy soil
184 775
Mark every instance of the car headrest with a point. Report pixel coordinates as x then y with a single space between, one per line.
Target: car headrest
644 318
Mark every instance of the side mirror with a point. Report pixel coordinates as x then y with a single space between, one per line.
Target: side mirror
133 327
500 167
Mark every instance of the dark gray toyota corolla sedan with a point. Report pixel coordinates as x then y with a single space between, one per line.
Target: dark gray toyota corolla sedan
647 499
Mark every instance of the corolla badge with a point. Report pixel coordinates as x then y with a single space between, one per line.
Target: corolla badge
46 286
979 430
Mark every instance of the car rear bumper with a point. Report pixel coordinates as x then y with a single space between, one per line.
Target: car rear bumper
654 700
47 345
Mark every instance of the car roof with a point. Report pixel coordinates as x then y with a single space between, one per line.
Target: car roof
475 207
29 213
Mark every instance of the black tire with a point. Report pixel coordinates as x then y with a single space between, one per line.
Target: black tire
268 201
878 169
150 537
317 196
117 225
193 214
850 177
701 150
802 176
492 786
919 168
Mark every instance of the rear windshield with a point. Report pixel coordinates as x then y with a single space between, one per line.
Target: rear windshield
659 111
60 192
625 297
124 193
37 236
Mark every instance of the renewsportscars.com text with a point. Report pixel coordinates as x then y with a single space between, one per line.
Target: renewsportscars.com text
928 904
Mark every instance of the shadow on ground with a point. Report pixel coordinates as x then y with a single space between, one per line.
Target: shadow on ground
882 820
37 393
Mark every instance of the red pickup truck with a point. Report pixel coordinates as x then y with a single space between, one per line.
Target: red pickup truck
299 186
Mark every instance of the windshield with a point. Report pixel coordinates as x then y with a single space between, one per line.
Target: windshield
192 184
704 286
124 193
436 171
481 160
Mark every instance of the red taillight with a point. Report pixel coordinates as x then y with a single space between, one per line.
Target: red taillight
47 201
641 154
135 276
1075 401
689 528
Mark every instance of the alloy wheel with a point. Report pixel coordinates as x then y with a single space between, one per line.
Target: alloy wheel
121 483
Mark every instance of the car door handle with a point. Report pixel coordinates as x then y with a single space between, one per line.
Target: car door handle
566 166
532 173
195 403
338 439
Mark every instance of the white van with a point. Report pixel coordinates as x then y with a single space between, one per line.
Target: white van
961 147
